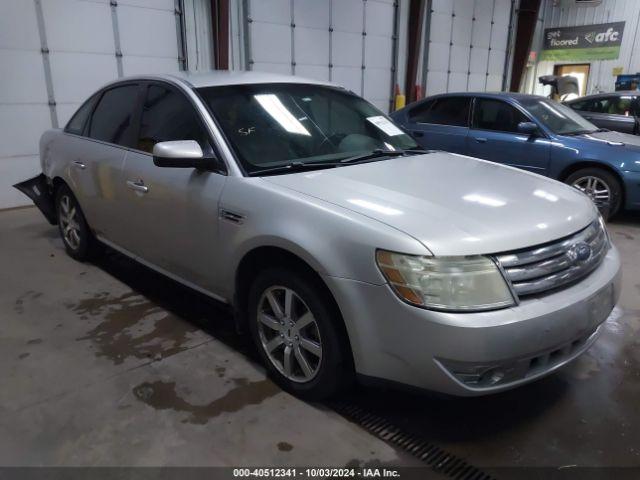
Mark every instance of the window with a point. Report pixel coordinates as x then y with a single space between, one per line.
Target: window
496 115
270 125
111 120
167 115
617 105
557 117
443 111
581 106
79 120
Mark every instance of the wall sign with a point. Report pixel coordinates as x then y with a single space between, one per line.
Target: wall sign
585 42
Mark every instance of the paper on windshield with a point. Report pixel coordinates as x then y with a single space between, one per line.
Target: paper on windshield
385 125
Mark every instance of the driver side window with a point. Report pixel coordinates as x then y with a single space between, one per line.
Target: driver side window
167 116
496 115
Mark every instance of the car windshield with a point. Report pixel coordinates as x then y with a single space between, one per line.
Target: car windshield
270 125
557 117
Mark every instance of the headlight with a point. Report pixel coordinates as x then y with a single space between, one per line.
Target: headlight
446 283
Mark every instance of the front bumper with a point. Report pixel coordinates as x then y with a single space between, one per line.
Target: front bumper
445 351
632 190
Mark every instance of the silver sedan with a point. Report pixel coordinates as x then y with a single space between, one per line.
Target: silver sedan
346 250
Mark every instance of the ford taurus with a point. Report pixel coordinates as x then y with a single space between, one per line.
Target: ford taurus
345 250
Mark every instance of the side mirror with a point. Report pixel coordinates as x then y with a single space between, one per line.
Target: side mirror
528 128
183 154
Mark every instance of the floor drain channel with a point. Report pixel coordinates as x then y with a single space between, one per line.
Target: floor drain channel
439 460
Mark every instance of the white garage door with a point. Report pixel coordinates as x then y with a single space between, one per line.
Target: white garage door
468 43
350 42
54 53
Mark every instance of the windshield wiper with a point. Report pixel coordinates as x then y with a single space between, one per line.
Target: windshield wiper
297 166
380 153
292 167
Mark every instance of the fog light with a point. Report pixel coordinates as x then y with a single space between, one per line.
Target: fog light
492 377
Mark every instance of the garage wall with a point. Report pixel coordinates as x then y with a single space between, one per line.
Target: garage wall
469 42
55 53
566 13
350 42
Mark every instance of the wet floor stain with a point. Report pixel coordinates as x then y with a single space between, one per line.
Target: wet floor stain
18 306
129 325
22 356
34 341
285 447
220 371
626 235
163 396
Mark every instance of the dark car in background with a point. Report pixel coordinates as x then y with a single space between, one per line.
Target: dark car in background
533 133
615 111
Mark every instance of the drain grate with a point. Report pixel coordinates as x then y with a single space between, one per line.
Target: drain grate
439 460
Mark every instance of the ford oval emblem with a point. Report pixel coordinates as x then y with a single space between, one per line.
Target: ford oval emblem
580 252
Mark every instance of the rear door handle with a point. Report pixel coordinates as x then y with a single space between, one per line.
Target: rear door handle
79 164
480 139
137 185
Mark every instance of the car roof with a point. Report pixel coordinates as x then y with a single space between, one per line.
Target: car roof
619 93
224 77
514 95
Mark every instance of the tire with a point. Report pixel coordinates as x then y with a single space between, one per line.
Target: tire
605 179
77 237
331 364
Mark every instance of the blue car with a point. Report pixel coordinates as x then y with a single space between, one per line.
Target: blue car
535 134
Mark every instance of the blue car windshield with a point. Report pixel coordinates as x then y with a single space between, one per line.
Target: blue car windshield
556 117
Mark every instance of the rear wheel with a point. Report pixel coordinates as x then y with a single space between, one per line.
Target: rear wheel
296 329
78 240
601 186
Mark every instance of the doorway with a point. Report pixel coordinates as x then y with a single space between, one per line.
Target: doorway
580 71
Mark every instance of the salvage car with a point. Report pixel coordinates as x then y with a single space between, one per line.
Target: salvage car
345 250
533 133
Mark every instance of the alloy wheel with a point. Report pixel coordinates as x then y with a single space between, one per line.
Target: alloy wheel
289 334
596 189
69 222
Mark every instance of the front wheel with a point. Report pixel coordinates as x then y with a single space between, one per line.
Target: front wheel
296 329
601 186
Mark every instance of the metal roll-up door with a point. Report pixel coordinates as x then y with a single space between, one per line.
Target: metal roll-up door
55 53
468 45
350 42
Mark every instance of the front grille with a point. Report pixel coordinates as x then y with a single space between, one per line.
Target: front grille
553 265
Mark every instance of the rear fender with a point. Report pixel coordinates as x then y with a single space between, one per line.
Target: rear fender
37 189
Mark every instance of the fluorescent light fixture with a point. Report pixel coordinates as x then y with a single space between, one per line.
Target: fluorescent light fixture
274 107
483 200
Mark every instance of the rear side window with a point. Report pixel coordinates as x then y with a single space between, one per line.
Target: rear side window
497 115
79 120
112 119
581 105
167 115
452 111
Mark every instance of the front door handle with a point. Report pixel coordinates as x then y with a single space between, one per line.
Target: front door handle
480 139
137 185
79 164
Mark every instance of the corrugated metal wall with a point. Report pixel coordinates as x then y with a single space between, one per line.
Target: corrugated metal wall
566 13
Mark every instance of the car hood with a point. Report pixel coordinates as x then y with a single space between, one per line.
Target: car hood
614 139
454 205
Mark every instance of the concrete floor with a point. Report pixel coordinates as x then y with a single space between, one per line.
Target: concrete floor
112 364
